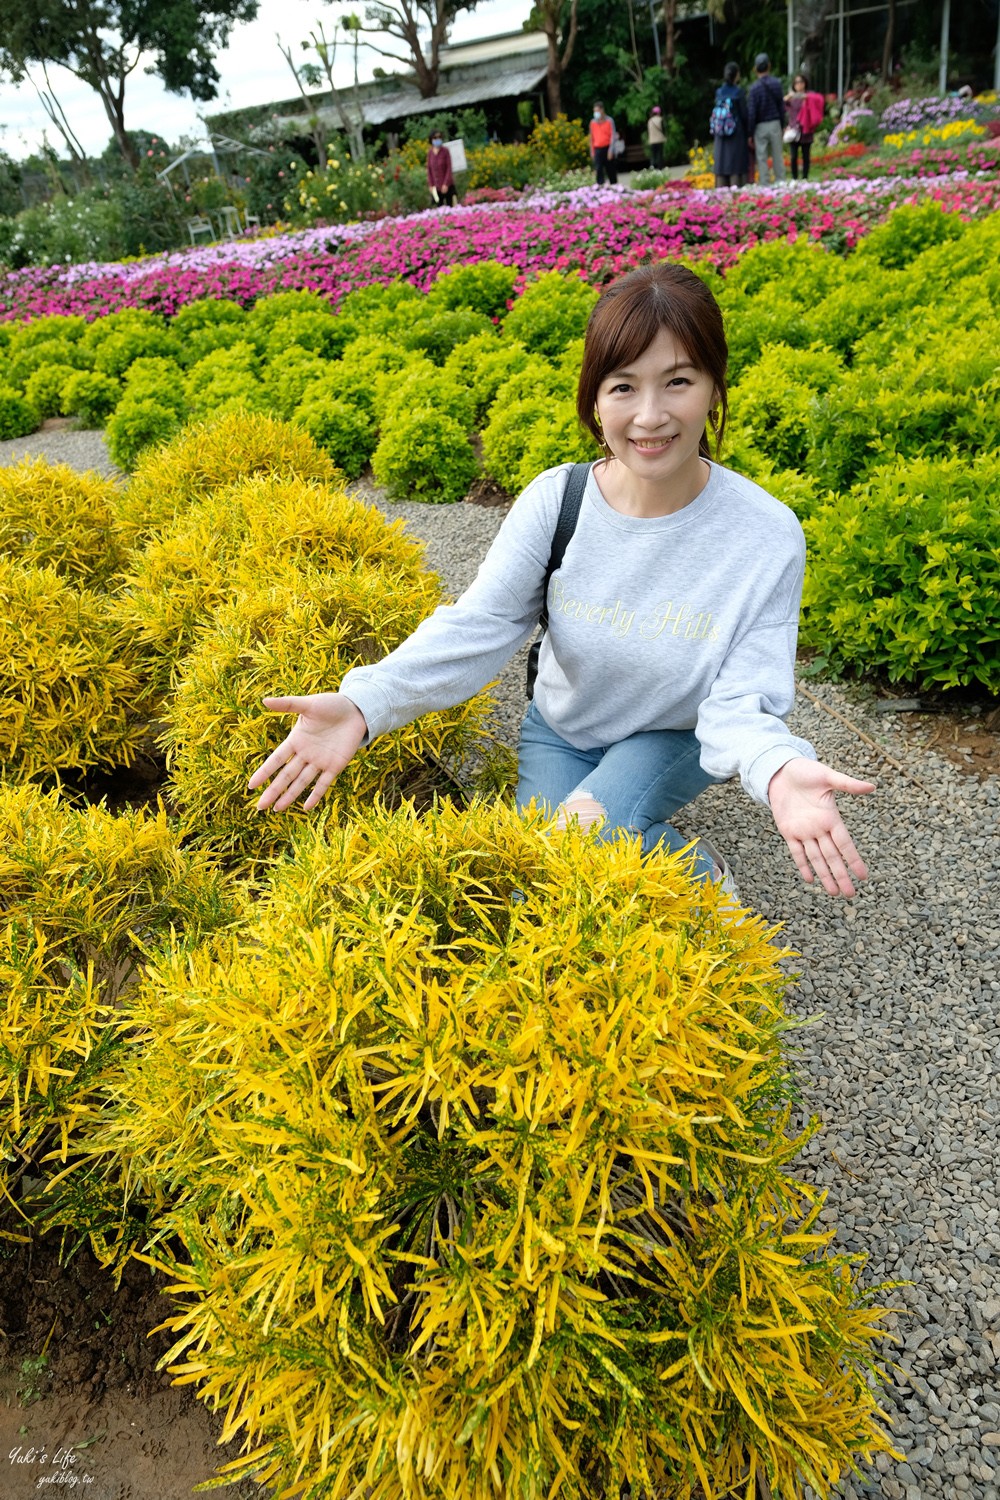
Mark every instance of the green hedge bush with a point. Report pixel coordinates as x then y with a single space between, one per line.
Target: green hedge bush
904 574
425 455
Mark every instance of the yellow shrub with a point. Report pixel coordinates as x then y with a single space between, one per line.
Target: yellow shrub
68 681
299 634
479 1197
51 515
82 893
244 535
206 457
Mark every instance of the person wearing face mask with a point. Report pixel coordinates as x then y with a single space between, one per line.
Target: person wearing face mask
440 178
602 134
668 658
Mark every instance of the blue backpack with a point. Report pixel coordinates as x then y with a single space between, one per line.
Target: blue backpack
722 121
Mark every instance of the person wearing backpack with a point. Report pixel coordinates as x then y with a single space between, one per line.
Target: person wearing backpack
767 115
728 124
670 588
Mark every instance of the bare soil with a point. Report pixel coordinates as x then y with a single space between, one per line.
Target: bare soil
82 1404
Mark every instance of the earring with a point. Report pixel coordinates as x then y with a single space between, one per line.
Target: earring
603 439
713 418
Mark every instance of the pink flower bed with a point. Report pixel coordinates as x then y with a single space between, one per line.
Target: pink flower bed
597 232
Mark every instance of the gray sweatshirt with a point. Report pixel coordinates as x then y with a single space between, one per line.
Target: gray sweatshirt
686 621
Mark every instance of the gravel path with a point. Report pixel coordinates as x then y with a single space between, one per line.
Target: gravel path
900 1060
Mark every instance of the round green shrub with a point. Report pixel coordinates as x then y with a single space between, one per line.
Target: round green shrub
482 365
268 312
376 310
207 312
907 232
556 438
420 384
507 435
60 326
904 574
425 455
225 380
324 335
550 312
36 356
773 400
139 422
45 389
90 397
438 335
207 338
121 349
358 377
287 380
340 429
17 415
135 319
486 287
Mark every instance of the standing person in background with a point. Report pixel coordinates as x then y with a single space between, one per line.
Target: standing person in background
805 115
440 178
602 133
654 135
732 151
766 114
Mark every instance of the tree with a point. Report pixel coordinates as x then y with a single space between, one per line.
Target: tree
404 20
313 74
887 46
560 29
103 41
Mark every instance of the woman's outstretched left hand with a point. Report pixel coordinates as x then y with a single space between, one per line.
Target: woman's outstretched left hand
807 817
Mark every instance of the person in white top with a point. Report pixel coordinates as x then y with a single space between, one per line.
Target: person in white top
669 659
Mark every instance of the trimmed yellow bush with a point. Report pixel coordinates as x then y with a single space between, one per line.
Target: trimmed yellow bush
72 695
84 893
298 634
52 515
477 1197
205 457
243 536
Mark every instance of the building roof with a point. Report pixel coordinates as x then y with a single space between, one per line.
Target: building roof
406 100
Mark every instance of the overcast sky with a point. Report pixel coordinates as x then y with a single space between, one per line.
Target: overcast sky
252 72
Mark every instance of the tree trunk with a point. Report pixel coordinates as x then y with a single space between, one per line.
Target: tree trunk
670 50
553 74
890 37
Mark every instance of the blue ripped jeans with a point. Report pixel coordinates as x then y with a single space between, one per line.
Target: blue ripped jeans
639 782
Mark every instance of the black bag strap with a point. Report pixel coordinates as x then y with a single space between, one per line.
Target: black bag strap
569 514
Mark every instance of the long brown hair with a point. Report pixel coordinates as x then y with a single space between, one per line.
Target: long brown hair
627 319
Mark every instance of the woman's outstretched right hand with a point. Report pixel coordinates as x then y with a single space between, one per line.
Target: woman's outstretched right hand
325 736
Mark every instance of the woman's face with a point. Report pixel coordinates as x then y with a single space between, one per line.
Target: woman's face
653 412
799 85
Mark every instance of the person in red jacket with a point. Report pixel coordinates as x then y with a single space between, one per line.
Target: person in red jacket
805 115
602 134
440 178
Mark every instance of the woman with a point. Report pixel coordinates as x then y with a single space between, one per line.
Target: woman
805 115
655 137
668 663
732 155
440 178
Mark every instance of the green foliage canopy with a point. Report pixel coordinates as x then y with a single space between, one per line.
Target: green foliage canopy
101 42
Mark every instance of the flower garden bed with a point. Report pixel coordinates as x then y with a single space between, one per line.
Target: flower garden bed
595 231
